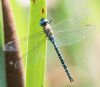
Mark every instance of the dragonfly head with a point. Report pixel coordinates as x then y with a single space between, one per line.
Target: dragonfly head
43 22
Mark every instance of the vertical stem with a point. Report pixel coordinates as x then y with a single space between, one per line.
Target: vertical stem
14 69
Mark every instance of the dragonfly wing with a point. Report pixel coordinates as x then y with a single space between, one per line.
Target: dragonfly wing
72 23
10 46
73 36
31 51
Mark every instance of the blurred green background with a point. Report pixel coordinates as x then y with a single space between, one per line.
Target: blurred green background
83 57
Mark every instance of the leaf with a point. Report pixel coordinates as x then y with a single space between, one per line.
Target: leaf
35 70
2 58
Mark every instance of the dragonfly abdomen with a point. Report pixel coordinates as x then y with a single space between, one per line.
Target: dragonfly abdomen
61 59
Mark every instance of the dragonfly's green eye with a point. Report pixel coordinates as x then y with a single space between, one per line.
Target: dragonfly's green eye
43 21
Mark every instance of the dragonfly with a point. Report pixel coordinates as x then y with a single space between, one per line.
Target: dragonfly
60 36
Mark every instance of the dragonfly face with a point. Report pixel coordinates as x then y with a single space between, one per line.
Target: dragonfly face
43 22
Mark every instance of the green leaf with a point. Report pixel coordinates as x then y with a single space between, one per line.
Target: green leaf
2 58
36 58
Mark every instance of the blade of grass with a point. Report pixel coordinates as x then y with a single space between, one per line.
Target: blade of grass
2 58
36 58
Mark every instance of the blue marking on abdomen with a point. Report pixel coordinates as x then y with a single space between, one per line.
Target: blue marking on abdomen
51 38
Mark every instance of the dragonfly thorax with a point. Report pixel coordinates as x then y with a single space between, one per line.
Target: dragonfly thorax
48 32
48 27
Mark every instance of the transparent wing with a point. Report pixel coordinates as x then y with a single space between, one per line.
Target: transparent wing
73 36
68 31
72 23
10 46
73 29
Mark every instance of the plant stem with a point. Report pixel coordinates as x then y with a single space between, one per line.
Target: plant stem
14 66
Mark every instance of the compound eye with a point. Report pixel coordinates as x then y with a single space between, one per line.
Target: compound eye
43 22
